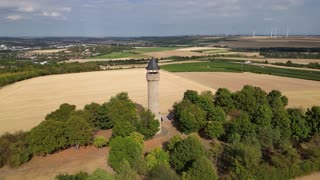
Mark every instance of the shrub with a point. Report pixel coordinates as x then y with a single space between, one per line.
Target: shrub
101 174
78 176
100 141
157 157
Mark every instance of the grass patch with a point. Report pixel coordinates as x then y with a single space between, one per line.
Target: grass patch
222 66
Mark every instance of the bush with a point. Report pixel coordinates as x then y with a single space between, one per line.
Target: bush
100 141
78 176
101 174
157 157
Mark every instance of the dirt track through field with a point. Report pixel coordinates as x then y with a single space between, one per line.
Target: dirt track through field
25 104
301 93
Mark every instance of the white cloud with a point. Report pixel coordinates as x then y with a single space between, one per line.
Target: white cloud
51 14
66 9
26 9
14 17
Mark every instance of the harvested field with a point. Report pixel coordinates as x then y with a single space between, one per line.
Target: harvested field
301 93
165 54
258 42
48 51
68 161
274 60
25 104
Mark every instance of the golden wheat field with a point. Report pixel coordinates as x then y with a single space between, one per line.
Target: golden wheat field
25 104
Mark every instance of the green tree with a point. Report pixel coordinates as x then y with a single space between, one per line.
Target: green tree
202 169
163 173
126 172
189 116
173 142
101 174
93 111
299 128
62 114
103 121
313 119
214 129
148 125
241 126
249 99
241 160
78 176
280 117
192 96
120 108
78 131
157 157
100 141
126 148
47 137
223 98
263 116
186 152
123 128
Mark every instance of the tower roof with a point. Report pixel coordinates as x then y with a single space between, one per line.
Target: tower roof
153 65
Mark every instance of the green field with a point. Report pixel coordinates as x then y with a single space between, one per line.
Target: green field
153 49
223 66
135 53
116 55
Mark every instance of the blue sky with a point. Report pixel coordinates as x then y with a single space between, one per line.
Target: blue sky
157 17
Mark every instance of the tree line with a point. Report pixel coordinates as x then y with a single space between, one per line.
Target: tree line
18 72
291 64
255 136
67 127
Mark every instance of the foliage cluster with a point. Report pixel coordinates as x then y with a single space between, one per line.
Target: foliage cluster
261 138
66 127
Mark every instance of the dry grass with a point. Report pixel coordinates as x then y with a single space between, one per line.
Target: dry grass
301 93
24 104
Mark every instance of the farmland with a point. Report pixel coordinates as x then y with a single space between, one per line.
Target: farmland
222 66
26 103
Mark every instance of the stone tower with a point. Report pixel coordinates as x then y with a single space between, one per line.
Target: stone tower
153 77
